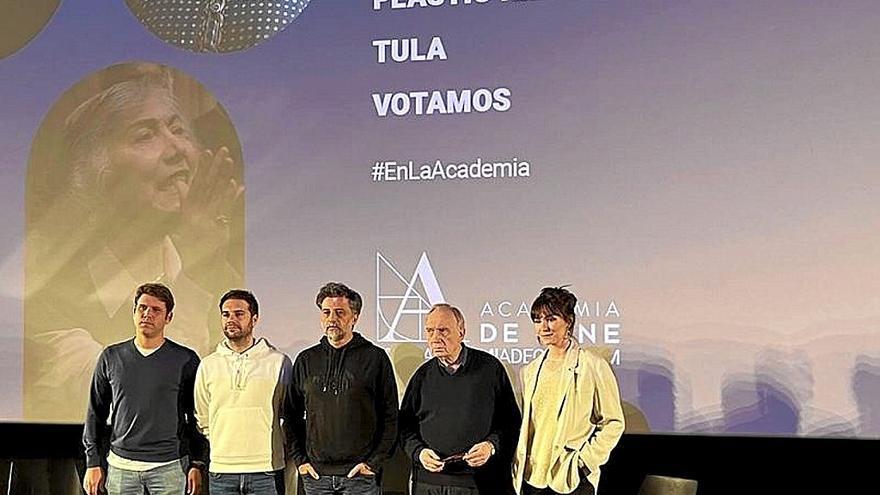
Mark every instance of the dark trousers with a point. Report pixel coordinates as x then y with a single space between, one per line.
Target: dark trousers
426 489
267 483
585 488
341 485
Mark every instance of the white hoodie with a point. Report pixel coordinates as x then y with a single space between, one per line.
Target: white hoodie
238 400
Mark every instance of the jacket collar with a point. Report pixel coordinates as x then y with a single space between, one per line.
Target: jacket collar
570 361
570 368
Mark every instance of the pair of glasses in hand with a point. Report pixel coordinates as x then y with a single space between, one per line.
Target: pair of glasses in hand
454 458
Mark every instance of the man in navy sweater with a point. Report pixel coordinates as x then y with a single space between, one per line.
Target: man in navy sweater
459 420
147 385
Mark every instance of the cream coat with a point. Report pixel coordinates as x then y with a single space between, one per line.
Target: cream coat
589 424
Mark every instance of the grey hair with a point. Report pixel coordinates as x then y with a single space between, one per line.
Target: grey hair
459 317
88 129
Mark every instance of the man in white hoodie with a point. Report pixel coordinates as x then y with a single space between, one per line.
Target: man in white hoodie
239 393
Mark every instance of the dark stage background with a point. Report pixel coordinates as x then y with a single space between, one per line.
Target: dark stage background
721 464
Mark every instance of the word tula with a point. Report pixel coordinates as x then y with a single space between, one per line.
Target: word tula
431 102
407 50
410 4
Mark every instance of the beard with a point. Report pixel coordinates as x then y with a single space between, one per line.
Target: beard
335 334
236 333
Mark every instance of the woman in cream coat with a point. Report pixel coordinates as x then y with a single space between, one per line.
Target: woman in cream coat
572 416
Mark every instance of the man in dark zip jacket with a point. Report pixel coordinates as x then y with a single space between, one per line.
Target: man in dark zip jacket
343 399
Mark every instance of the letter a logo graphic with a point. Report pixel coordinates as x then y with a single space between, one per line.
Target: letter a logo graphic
402 302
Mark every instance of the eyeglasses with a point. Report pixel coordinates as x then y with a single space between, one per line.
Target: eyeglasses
454 458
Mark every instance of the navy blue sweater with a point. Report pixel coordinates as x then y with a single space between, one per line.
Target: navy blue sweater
152 402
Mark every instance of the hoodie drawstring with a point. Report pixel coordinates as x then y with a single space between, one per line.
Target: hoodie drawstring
238 377
333 375
327 373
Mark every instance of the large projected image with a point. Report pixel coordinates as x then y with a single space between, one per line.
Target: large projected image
701 175
135 175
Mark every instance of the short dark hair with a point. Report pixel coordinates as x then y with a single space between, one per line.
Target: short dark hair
159 291
242 295
336 289
557 301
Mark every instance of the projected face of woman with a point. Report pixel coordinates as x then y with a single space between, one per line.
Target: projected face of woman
153 155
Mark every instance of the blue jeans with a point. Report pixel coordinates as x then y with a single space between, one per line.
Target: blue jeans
268 483
164 480
341 485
